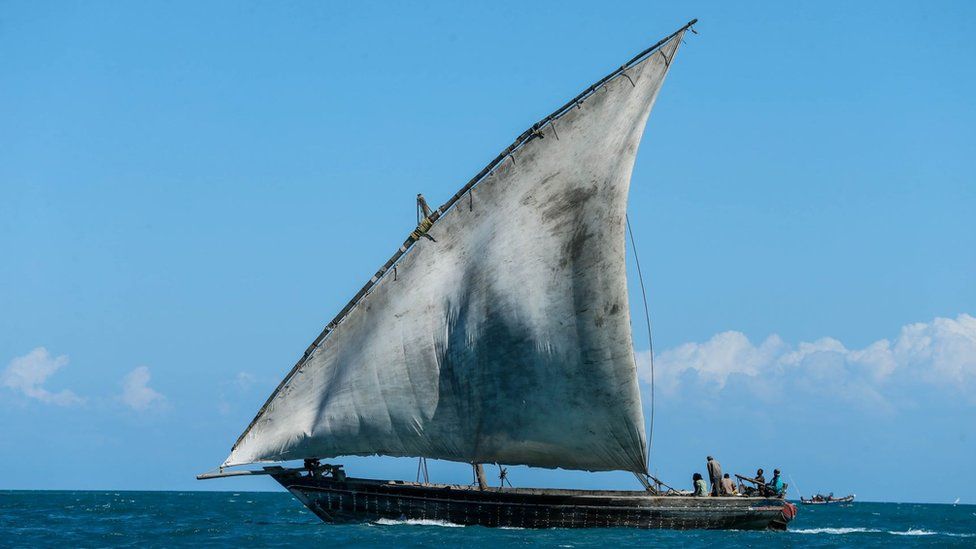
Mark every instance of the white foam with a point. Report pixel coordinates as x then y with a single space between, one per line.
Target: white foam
840 531
909 532
914 532
419 522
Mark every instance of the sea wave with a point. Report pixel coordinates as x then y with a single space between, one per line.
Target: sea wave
418 522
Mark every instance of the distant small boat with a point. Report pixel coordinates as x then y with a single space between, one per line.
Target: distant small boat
824 500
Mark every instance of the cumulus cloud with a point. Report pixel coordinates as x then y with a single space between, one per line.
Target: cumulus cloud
136 392
27 374
940 354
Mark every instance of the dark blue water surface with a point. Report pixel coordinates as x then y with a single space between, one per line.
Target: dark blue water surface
225 519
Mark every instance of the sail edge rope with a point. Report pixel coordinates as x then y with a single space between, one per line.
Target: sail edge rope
650 340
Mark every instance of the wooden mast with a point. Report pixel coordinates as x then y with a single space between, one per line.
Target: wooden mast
479 473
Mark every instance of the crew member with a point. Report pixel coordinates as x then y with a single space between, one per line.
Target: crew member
715 475
775 486
728 488
699 483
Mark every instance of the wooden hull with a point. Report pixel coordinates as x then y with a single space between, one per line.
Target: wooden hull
363 500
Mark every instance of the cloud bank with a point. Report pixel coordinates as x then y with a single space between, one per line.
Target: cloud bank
27 375
939 355
136 392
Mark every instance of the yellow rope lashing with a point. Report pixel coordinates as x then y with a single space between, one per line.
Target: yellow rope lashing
422 228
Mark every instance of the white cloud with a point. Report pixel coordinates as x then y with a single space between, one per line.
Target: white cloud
27 374
136 392
715 360
940 354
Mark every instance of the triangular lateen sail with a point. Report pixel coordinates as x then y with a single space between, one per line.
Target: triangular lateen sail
504 338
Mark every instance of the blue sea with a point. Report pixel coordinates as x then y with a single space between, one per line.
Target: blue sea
239 519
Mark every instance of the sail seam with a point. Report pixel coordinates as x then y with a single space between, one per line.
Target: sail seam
522 140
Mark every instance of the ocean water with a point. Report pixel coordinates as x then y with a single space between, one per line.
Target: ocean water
239 519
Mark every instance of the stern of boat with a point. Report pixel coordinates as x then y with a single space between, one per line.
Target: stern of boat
787 514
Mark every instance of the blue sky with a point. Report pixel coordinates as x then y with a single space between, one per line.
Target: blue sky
188 193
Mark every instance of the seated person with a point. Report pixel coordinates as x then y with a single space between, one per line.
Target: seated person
759 488
728 487
775 486
700 489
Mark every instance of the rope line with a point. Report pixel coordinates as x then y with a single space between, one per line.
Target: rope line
650 341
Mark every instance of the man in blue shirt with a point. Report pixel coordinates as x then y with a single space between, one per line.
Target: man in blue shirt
775 486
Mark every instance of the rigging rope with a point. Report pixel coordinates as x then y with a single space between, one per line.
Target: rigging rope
796 488
422 470
650 341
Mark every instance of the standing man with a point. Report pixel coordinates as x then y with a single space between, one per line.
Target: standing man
715 475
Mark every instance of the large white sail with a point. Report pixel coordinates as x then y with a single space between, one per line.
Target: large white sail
505 337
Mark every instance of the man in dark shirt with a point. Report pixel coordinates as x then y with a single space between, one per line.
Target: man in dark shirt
759 489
